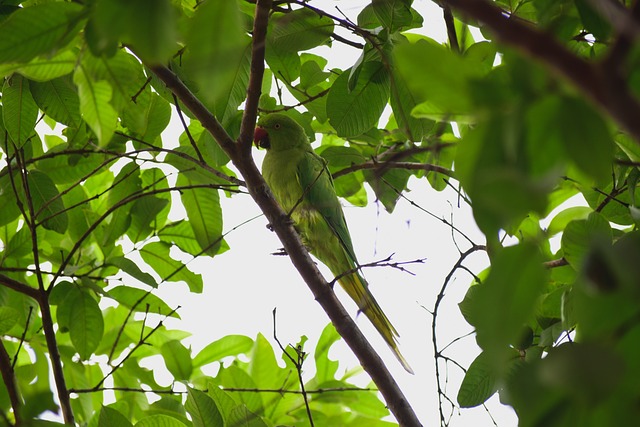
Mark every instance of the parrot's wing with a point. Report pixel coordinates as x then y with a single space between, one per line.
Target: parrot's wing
319 192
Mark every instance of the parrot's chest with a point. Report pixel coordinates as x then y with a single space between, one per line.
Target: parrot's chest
280 172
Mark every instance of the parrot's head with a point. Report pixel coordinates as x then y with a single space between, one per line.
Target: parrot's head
278 132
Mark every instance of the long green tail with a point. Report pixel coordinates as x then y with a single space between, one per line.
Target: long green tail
358 290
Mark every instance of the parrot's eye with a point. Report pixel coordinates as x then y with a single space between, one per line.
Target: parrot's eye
276 126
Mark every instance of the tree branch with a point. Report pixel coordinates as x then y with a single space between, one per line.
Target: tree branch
254 88
17 286
590 78
282 226
395 165
9 378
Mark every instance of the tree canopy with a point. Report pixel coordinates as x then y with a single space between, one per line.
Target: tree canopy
528 114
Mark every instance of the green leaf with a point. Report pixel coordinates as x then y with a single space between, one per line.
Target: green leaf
579 236
224 402
352 113
156 254
19 111
159 420
301 29
564 217
110 418
59 100
403 104
148 116
47 203
8 318
215 32
43 68
123 72
586 138
153 30
144 214
95 107
241 416
230 345
235 377
516 280
180 233
141 301
132 269
479 383
326 368
203 409
86 325
438 77
205 214
36 30
393 14
178 359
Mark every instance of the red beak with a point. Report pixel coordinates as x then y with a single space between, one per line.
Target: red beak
261 138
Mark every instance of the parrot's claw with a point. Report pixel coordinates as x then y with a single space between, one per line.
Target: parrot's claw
284 220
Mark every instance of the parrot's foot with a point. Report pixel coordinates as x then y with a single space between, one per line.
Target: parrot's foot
283 220
280 252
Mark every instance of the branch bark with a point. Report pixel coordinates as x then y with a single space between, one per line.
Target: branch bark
591 78
243 161
9 378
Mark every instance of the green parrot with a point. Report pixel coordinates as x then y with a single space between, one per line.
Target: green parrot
301 183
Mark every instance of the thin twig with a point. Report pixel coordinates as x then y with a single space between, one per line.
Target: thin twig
298 364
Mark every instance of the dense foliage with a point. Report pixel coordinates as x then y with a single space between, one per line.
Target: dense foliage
538 109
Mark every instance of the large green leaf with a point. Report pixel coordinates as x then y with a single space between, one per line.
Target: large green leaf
95 106
216 31
177 358
141 301
86 324
144 213
393 14
580 235
230 345
132 269
353 112
148 116
507 298
301 29
58 98
8 318
156 254
43 68
181 234
326 368
19 111
110 417
205 214
152 32
586 138
479 383
159 420
203 409
47 203
36 30
438 78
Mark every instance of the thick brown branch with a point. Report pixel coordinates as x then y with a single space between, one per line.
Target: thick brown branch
9 378
255 78
19 287
346 327
590 78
